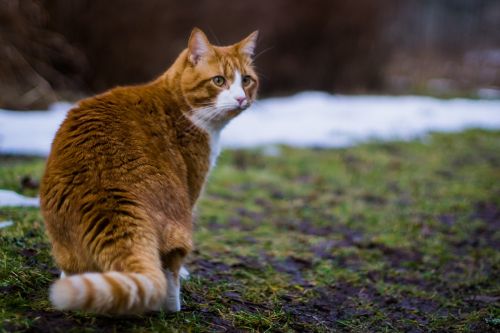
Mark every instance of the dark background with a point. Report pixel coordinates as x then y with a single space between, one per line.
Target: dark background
56 49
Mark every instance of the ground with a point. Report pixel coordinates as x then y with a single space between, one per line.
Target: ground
382 237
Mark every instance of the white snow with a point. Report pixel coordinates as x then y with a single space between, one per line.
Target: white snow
5 224
306 119
30 132
319 119
10 198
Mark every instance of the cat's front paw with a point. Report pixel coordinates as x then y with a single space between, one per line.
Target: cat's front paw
173 299
172 304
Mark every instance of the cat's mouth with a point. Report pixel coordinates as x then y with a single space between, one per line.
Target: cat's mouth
218 117
236 111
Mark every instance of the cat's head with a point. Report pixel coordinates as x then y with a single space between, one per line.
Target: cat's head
218 82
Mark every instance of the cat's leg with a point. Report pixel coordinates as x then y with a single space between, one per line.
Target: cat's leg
184 273
173 300
67 260
172 268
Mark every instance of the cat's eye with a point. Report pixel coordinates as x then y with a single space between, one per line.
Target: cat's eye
219 80
247 79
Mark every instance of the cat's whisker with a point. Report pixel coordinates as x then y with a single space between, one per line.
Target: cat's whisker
205 119
263 52
207 104
205 113
214 35
198 111
202 116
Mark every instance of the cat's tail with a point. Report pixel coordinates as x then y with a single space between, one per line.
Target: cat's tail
111 292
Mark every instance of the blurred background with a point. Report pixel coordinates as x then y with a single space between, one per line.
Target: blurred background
59 49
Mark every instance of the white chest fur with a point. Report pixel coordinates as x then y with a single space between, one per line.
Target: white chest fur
228 99
214 146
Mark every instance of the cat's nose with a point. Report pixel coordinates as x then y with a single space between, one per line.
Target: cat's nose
241 100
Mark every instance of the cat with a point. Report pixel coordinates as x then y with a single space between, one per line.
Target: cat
126 169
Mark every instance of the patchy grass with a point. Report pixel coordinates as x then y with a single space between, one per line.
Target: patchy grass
383 237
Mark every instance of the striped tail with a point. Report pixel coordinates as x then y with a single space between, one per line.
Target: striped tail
110 292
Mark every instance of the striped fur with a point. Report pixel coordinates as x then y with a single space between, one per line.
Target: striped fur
125 171
111 292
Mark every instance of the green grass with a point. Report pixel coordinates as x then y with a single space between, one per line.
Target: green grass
383 237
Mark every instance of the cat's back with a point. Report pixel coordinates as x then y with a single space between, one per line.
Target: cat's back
112 127
112 140
98 124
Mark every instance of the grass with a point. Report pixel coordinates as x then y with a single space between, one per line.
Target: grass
383 237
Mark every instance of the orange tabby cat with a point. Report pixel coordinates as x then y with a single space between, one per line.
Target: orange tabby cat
125 171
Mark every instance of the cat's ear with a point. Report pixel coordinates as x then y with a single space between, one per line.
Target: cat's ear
198 46
247 45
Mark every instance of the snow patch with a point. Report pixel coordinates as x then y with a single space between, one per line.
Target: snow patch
30 132
11 198
5 224
319 119
308 119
